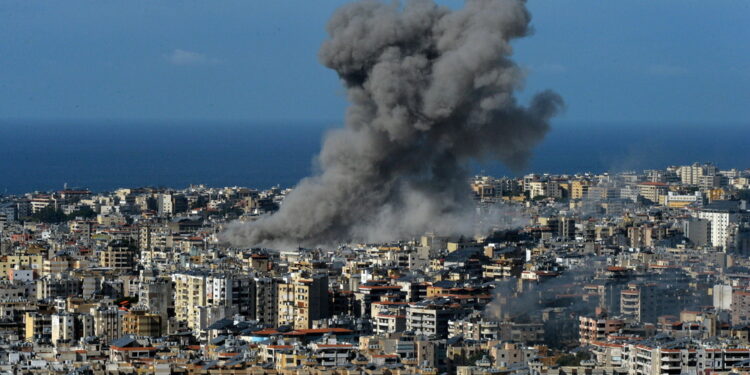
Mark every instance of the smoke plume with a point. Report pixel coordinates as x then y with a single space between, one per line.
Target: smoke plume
430 90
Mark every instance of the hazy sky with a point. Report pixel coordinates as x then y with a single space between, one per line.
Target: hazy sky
666 60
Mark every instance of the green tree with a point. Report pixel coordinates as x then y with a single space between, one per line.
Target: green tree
573 359
48 215
85 212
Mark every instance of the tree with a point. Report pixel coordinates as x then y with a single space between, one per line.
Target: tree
48 215
573 360
84 212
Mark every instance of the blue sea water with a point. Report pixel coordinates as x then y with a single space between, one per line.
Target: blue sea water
107 155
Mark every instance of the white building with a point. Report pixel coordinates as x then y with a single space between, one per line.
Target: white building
691 174
722 295
682 200
721 215
71 326
164 204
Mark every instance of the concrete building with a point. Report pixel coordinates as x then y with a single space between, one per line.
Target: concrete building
302 298
597 329
189 293
641 302
265 300
691 174
164 205
107 322
652 191
430 317
740 307
579 189
655 360
37 325
698 231
65 326
721 215
389 322
722 297
139 322
119 255
158 297
194 290
674 200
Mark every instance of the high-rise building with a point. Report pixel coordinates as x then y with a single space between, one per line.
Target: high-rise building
265 301
303 298
721 215
740 307
698 231
579 189
196 289
691 174
37 325
189 293
164 205
158 297
643 302
566 228
107 322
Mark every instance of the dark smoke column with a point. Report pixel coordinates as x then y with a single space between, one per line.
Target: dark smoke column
430 90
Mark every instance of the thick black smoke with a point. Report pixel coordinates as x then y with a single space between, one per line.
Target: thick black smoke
430 90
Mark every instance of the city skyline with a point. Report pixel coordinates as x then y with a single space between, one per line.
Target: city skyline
374 187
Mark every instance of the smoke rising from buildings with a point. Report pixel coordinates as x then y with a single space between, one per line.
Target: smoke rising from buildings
430 90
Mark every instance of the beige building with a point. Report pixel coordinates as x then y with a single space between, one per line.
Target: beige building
199 295
302 298
119 255
37 324
189 293
652 191
8 262
140 322
579 189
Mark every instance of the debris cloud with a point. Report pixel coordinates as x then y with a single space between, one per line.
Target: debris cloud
430 90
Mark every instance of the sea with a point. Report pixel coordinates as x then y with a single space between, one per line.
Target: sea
106 155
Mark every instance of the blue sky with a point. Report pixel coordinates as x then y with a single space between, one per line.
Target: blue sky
624 61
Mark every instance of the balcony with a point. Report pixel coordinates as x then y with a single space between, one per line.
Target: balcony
670 366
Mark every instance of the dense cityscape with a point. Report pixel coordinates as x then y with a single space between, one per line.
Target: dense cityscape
637 273
291 188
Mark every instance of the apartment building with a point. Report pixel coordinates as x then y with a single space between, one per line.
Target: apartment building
641 302
194 290
107 322
119 256
139 322
302 298
721 215
430 317
66 326
597 328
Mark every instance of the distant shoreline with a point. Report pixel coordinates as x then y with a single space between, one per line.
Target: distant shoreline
103 156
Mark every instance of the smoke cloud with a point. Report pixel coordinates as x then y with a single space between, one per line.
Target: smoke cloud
431 89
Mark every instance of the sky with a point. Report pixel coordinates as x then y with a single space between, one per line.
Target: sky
246 60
